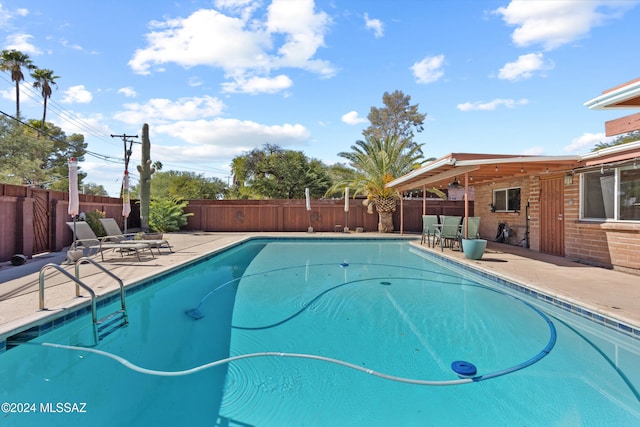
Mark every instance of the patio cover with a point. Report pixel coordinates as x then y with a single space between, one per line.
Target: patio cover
472 169
625 96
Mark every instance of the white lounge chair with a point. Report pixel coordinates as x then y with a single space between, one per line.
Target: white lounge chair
114 234
86 238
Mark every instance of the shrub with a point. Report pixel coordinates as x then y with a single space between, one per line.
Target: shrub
93 219
167 214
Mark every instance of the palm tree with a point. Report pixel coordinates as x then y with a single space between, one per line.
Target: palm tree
13 61
378 162
44 79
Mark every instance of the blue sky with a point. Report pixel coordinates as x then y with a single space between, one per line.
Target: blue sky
215 79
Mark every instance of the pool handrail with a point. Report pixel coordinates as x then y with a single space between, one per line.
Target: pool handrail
108 320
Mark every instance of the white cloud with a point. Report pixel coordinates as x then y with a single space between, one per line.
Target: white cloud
375 25
128 91
534 151
524 67
556 23
220 137
7 15
194 82
351 118
80 123
492 105
586 142
21 42
67 43
245 47
163 110
429 69
255 85
77 94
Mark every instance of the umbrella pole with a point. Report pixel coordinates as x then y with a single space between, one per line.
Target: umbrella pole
75 234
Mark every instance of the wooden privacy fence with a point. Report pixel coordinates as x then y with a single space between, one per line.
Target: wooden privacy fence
291 215
32 220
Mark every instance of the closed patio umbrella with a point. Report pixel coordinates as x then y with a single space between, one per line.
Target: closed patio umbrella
74 198
346 209
307 197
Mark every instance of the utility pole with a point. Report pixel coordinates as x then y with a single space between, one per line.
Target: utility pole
124 191
127 151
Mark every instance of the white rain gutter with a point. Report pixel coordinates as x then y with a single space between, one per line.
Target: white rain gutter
523 159
608 99
611 150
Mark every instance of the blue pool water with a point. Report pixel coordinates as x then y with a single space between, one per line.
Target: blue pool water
357 313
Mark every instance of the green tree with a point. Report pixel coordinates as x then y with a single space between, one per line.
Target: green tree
93 189
397 118
55 159
274 173
376 163
183 185
13 61
622 139
339 173
44 79
21 160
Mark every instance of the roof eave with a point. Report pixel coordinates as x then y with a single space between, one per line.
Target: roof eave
609 100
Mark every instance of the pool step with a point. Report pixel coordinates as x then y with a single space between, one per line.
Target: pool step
110 323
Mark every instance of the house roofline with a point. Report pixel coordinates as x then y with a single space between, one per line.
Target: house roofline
608 100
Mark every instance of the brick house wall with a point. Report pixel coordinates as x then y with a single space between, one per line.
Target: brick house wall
613 245
483 198
607 244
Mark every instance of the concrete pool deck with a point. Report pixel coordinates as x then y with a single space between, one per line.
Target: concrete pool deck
611 293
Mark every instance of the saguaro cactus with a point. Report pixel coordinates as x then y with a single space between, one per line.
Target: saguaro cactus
145 171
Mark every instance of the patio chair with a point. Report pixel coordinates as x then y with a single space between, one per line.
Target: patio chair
447 232
114 234
428 228
86 238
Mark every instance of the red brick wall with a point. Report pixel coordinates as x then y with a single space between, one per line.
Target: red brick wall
515 220
607 244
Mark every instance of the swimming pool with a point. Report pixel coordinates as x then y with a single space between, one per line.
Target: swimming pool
370 309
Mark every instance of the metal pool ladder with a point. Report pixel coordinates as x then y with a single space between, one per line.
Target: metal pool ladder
101 327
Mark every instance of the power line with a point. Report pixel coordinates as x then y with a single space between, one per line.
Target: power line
88 152
64 114
127 151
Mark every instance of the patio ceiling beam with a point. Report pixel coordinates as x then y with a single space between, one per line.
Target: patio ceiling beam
430 180
622 125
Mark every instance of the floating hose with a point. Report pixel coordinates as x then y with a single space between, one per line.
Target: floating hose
455 365
141 370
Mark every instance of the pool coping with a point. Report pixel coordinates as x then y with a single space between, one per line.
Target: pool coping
562 302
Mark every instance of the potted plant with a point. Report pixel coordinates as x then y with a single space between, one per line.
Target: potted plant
474 248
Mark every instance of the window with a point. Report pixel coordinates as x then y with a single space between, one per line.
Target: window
506 200
612 194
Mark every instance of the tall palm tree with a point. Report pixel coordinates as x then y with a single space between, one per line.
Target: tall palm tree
13 61
377 162
43 80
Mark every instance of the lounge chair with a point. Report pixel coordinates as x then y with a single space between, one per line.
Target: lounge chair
428 228
447 232
86 238
114 234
